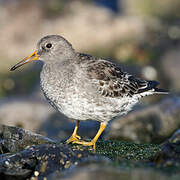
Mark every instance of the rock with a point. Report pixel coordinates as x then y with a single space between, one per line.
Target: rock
169 156
152 124
83 169
103 172
40 160
175 137
15 139
25 154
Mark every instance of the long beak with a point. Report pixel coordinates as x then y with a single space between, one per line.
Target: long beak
34 56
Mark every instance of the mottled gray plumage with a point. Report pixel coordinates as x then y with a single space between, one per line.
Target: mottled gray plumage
84 87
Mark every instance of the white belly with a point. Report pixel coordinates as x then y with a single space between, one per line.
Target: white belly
81 106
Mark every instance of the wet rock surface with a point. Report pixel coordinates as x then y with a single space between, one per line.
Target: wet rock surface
16 139
26 155
169 156
40 160
94 171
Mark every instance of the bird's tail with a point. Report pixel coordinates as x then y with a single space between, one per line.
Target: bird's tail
160 91
151 88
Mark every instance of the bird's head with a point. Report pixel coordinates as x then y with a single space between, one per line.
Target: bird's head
49 48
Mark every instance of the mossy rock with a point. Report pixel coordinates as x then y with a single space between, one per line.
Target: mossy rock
117 150
24 154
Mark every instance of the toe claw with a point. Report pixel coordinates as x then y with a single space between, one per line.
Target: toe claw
78 137
84 143
73 139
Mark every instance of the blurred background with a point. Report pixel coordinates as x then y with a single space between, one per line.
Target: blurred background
143 36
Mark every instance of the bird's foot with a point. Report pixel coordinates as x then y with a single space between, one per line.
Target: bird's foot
84 143
73 138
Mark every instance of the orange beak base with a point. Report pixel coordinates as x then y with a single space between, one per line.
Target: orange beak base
34 56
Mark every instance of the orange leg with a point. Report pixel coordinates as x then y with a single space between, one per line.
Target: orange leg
74 136
94 140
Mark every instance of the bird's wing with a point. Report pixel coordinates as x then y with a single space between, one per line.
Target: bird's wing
111 81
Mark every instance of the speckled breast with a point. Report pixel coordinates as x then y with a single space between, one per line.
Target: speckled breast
71 98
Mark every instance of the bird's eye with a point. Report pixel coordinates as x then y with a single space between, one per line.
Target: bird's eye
49 45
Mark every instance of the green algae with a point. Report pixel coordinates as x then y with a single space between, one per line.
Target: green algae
117 150
128 156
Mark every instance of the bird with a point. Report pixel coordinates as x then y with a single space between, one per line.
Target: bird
84 87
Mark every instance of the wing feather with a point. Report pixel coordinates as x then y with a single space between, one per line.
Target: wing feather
111 81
